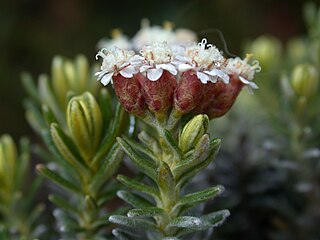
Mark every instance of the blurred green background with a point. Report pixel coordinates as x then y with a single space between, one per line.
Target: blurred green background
33 31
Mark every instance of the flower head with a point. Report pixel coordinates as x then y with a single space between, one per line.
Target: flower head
155 59
206 60
118 40
115 61
243 69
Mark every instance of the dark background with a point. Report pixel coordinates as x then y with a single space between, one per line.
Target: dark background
33 31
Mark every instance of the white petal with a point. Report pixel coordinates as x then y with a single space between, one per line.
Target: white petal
245 81
136 59
106 78
221 74
253 85
169 67
184 67
128 72
145 68
154 74
204 78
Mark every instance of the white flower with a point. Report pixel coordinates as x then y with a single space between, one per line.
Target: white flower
118 40
148 35
154 59
115 61
206 60
243 69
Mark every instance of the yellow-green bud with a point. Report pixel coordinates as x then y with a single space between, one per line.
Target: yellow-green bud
297 51
267 50
68 76
8 157
193 131
304 80
84 121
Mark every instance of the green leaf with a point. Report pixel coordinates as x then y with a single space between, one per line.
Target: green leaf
188 222
110 137
63 204
172 143
67 148
108 167
141 148
139 186
47 97
124 235
135 223
30 87
200 153
105 102
133 199
146 212
193 199
34 117
211 220
146 166
216 218
214 147
57 179
48 115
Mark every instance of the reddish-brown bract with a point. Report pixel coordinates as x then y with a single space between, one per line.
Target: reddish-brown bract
129 93
188 92
219 97
159 94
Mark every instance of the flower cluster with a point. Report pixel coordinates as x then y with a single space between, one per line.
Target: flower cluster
185 77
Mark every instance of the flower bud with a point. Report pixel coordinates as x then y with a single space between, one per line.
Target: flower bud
129 93
70 75
188 92
8 157
267 51
304 80
84 121
159 94
193 131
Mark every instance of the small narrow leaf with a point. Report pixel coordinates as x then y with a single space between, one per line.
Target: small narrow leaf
108 167
146 166
211 220
193 199
146 212
110 137
135 223
48 115
141 148
30 87
214 147
188 222
124 235
67 148
105 103
57 179
172 143
63 204
139 186
133 199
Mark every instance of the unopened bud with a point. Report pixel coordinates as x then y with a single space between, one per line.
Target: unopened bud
84 121
70 76
304 80
193 131
129 93
267 50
